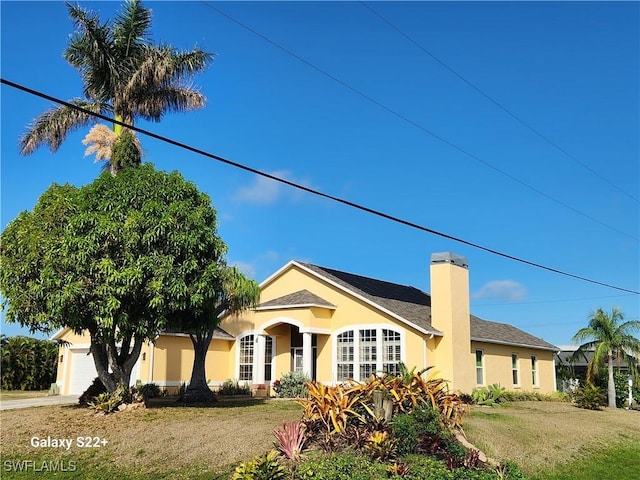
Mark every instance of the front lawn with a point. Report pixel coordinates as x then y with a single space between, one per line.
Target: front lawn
556 440
548 440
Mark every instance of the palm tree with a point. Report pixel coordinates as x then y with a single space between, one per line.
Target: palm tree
123 75
608 337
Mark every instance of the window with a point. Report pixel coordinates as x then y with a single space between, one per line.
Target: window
390 352
345 350
364 352
268 358
514 368
246 358
534 371
368 353
479 367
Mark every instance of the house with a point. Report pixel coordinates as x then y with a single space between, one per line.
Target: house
334 325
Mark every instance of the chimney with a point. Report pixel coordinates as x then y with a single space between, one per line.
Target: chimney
450 314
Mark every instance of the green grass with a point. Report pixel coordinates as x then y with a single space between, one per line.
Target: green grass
621 461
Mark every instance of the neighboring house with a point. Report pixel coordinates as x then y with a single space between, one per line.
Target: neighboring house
334 325
571 369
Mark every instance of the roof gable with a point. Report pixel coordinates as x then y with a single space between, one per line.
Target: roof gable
301 298
407 304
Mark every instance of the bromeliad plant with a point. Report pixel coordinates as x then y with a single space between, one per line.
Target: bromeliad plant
291 439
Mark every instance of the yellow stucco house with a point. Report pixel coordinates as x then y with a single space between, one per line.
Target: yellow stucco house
333 326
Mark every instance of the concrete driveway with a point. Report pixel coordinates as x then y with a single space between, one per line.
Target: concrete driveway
39 402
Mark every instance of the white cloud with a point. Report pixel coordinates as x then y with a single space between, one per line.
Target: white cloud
264 191
506 290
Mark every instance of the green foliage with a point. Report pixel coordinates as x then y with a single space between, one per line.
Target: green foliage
590 397
488 396
522 396
292 385
28 363
265 467
149 390
340 466
95 389
121 257
125 153
107 402
405 430
232 387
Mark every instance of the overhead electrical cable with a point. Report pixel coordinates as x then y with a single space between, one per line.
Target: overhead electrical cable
419 126
312 191
500 106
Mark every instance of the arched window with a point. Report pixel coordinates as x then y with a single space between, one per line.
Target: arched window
362 352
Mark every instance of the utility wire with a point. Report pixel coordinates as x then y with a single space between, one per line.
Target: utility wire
512 304
499 105
417 125
312 191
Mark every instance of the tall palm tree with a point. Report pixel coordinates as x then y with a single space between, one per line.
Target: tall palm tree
609 338
124 75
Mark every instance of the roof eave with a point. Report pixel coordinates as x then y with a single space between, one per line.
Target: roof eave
551 348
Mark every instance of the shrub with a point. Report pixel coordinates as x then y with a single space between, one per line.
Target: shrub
149 390
292 385
28 363
95 389
232 387
590 397
381 446
107 402
264 467
490 395
405 430
340 466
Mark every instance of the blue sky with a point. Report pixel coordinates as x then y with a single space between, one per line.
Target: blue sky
568 69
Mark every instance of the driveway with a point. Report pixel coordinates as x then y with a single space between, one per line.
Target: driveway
39 402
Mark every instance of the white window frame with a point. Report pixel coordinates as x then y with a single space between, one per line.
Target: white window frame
535 377
253 370
253 356
515 369
480 367
379 327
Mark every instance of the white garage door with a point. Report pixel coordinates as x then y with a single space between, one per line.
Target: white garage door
83 371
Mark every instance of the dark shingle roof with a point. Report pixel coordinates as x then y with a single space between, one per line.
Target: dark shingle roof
410 303
414 306
484 330
300 298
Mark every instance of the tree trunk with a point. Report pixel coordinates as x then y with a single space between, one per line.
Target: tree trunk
198 390
100 360
106 357
611 387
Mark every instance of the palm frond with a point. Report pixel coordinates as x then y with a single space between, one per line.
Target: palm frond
91 51
151 105
52 126
131 29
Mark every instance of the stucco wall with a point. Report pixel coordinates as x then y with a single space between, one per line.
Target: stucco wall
497 366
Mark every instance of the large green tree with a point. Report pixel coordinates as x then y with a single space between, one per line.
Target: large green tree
118 258
124 75
235 294
609 337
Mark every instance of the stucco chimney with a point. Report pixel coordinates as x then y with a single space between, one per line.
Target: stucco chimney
450 313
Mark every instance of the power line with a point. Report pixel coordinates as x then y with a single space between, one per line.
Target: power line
312 190
513 304
418 125
499 105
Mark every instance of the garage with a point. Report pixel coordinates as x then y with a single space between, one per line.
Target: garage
83 371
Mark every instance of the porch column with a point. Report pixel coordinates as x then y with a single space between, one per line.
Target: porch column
307 354
258 362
